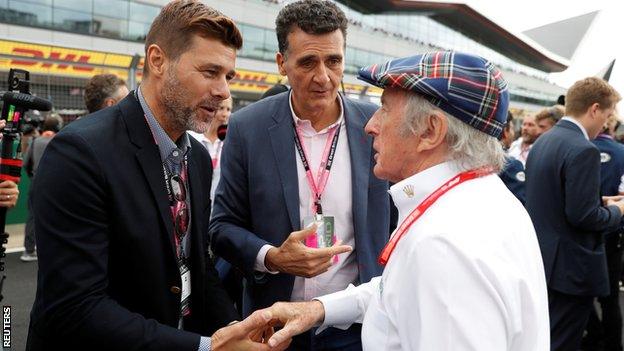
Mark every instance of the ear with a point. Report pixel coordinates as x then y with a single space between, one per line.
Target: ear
594 108
435 130
157 60
109 102
279 59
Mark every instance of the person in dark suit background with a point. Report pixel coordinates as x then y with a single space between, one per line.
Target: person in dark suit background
606 334
563 200
122 203
512 173
264 194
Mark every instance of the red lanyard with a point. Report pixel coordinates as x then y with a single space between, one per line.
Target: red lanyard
424 206
327 160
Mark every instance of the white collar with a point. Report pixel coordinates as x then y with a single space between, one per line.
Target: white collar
306 124
202 138
578 124
411 191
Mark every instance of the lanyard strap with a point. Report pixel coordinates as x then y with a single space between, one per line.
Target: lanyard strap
327 160
424 206
174 205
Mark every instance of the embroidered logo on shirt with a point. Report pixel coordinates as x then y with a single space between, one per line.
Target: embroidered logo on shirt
604 157
409 190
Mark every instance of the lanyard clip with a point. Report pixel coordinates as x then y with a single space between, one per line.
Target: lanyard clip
319 208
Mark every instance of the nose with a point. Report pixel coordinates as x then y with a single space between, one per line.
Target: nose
372 127
321 76
221 89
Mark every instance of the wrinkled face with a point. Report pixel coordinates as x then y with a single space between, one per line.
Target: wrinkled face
544 125
314 65
529 130
224 112
394 150
196 83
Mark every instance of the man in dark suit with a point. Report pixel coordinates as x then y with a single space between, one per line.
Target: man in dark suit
122 202
513 172
563 200
606 334
265 192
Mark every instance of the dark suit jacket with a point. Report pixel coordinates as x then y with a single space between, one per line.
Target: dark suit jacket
514 177
563 200
107 263
257 200
611 169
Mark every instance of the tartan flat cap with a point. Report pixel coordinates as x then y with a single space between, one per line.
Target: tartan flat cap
467 87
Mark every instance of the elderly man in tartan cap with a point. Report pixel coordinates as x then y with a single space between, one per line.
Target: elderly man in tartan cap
457 276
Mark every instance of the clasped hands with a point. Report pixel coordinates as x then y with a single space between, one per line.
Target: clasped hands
256 332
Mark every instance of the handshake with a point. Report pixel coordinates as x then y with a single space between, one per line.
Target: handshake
257 332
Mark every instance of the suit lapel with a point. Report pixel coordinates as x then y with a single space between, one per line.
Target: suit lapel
281 137
148 158
360 146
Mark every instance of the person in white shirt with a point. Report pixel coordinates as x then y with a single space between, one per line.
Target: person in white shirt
520 148
457 276
211 141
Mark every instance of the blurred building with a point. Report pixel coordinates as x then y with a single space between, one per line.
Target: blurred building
64 42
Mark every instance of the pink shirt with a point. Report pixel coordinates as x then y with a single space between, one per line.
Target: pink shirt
336 201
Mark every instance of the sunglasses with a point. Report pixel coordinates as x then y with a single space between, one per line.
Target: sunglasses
181 217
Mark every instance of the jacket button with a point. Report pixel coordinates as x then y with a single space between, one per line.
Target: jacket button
174 289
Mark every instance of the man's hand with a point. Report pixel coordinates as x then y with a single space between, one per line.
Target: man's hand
296 317
617 200
293 257
249 335
8 194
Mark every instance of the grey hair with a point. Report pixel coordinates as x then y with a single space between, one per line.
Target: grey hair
469 147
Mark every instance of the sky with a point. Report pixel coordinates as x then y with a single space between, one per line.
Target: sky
602 43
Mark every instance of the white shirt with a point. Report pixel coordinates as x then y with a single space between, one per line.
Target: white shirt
336 201
578 124
214 149
519 151
468 275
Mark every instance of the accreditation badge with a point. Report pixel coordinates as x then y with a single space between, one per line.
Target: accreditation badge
325 231
185 275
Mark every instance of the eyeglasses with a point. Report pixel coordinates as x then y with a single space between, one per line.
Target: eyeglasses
178 187
181 215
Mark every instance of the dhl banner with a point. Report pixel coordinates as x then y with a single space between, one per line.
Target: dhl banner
61 61
68 62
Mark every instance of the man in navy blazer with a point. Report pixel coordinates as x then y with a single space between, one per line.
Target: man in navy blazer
563 200
264 193
122 198
608 329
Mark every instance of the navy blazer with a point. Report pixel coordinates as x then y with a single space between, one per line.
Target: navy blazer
257 200
611 164
514 177
108 277
563 200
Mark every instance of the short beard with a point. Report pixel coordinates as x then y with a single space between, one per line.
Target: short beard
180 116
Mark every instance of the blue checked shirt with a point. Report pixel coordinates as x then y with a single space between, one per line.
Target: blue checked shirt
172 156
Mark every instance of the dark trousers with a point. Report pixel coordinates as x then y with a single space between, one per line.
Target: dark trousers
607 334
29 229
330 339
568 318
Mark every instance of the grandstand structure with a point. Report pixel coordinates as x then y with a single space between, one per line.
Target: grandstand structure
64 42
